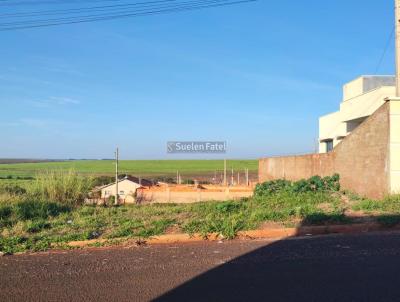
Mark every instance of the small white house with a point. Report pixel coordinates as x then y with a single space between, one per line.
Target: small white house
126 188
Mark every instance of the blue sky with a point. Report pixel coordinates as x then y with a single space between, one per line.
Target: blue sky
256 75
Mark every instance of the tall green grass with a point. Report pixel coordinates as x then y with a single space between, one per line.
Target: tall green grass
68 188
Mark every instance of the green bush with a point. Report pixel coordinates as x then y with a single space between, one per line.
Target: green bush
313 184
271 187
332 183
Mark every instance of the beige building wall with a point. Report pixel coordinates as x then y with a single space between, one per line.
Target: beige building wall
395 146
125 188
361 98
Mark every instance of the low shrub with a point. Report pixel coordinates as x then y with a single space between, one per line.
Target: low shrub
313 184
271 187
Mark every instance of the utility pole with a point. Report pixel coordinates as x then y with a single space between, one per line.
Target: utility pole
116 177
224 172
397 20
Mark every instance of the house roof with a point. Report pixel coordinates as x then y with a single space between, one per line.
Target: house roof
140 181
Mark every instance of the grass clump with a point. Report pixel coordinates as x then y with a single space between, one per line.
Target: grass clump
37 226
390 204
12 189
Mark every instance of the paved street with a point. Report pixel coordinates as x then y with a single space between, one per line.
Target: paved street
330 268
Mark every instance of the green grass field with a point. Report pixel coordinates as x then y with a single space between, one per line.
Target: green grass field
134 167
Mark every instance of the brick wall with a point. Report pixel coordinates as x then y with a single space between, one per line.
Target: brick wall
168 195
361 159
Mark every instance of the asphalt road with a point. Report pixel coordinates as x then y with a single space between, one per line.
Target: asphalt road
330 268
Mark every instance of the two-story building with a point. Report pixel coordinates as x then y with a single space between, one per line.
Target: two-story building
361 98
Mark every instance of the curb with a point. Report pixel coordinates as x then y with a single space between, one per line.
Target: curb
252 234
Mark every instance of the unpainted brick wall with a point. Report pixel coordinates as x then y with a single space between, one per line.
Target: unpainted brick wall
190 197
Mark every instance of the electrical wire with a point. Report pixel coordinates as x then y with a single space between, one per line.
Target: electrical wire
80 9
384 51
123 12
5 3
178 7
107 8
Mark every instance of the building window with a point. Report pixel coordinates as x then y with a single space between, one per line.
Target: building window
329 145
121 192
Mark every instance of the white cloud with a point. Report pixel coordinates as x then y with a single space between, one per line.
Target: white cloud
55 101
64 100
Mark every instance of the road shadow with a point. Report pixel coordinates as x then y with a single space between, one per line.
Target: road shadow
339 268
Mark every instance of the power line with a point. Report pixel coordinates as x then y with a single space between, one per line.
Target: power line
385 50
194 5
82 9
5 3
117 13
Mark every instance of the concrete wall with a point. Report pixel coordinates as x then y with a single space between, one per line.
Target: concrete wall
169 195
364 84
361 159
395 147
